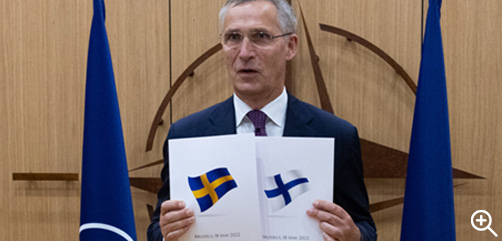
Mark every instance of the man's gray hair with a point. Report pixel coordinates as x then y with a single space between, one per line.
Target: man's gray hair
286 13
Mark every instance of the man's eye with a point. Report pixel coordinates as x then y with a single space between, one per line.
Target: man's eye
233 37
262 35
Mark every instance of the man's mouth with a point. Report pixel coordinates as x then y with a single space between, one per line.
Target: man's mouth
247 71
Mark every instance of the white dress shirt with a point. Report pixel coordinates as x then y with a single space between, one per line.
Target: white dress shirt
275 111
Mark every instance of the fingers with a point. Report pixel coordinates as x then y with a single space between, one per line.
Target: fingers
331 232
329 212
334 221
171 205
175 219
326 237
331 208
175 235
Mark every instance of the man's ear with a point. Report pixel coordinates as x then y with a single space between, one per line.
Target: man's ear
292 47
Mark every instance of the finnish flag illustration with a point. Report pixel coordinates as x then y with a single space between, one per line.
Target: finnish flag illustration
281 189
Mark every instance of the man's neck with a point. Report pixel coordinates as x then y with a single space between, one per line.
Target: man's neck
258 102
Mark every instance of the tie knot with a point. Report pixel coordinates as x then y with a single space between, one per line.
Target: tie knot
258 118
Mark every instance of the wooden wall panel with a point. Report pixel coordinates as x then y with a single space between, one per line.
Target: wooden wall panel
195 29
139 41
138 32
43 71
4 127
364 89
471 38
43 68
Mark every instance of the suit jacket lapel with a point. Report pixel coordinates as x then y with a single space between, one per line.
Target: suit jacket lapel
222 119
298 119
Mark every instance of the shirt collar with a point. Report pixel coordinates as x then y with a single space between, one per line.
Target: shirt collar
275 110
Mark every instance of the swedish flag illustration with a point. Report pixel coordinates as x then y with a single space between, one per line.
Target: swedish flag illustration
210 187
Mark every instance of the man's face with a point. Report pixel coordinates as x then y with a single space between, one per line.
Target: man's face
257 71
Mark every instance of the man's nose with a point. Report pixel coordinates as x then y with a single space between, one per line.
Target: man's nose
247 49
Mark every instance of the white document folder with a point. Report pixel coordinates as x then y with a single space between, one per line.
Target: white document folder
243 187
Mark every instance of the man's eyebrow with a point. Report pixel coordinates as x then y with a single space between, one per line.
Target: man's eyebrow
232 30
259 30
252 30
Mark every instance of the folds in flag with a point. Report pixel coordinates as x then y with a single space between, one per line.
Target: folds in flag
106 211
210 187
282 189
428 212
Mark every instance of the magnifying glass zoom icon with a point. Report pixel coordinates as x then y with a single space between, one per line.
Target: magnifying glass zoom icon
481 219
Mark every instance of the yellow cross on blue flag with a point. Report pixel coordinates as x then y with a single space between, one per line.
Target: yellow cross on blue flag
210 187
106 211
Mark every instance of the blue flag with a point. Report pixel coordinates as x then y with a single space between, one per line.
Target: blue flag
106 211
428 212
208 188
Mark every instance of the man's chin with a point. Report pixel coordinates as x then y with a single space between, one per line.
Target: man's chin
247 90
248 76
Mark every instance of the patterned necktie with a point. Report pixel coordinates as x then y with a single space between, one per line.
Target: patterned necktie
258 118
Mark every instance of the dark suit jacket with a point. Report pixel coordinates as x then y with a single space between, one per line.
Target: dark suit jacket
302 120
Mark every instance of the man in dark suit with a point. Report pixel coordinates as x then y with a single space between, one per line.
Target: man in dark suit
258 38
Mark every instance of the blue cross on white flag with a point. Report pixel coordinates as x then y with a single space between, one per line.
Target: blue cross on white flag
283 188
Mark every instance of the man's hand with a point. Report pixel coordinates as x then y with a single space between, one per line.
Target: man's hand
334 221
175 219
